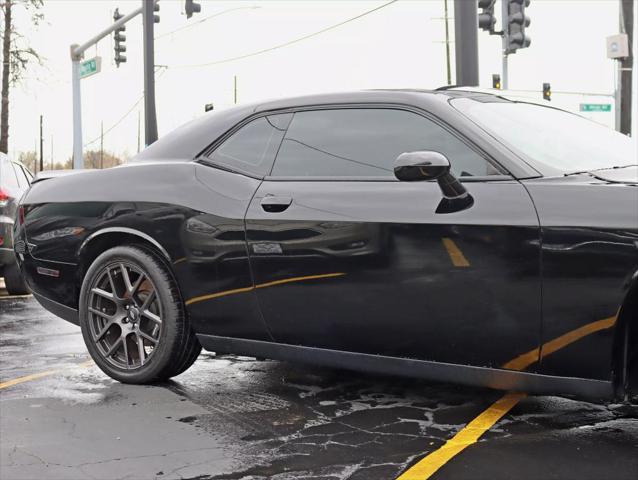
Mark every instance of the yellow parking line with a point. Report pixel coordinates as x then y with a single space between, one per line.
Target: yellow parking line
455 253
261 285
526 359
36 376
470 434
463 439
27 378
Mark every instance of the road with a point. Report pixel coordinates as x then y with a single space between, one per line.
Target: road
239 418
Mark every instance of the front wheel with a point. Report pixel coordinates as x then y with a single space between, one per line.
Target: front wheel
132 318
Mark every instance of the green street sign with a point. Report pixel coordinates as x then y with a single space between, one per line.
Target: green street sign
90 67
595 107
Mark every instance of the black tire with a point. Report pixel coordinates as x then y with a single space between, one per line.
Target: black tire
118 324
14 282
191 353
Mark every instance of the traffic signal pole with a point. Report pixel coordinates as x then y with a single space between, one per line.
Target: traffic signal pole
466 42
626 66
150 114
504 37
77 52
514 21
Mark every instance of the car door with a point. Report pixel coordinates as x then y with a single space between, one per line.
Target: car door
215 269
344 256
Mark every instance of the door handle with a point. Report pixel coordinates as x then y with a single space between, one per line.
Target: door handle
275 203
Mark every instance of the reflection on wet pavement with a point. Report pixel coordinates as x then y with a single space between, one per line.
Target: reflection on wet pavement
237 418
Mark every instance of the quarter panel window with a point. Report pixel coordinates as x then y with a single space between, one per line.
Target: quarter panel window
254 146
23 181
365 142
8 177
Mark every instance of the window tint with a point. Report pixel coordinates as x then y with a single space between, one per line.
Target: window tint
366 142
253 147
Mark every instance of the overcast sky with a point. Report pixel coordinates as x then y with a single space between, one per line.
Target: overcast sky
399 45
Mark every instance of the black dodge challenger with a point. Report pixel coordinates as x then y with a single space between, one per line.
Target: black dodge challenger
451 235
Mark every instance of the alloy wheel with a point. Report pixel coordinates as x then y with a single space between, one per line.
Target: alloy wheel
125 315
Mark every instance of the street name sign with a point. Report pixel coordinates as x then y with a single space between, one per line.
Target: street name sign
595 107
90 67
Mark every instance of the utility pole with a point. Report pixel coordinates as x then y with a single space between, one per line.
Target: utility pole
235 89
150 115
102 144
626 65
466 42
447 43
41 146
138 131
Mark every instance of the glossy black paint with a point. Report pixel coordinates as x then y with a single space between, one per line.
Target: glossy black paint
400 294
366 267
164 210
590 260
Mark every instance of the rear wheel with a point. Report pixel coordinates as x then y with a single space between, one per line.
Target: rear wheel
132 318
13 280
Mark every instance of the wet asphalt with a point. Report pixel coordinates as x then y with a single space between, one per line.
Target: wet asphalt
239 418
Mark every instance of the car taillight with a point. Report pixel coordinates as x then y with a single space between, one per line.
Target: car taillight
21 215
4 197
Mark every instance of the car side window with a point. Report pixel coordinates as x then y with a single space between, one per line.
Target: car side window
253 147
8 177
364 142
23 181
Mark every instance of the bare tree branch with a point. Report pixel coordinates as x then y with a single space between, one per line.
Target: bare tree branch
17 55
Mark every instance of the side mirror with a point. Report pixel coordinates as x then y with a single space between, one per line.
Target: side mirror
414 166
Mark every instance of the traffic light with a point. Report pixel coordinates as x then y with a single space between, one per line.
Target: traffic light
156 8
547 92
119 38
517 21
486 18
192 7
496 81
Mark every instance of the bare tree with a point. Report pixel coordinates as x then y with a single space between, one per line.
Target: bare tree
29 159
97 159
16 56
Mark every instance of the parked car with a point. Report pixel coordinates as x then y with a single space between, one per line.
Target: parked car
14 181
258 231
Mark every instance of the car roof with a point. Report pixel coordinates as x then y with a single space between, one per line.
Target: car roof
395 95
189 140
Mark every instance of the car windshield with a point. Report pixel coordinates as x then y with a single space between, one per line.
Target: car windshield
549 139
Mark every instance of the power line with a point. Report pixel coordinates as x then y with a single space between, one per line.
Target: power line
121 119
128 112
241 57
192 24
286 44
